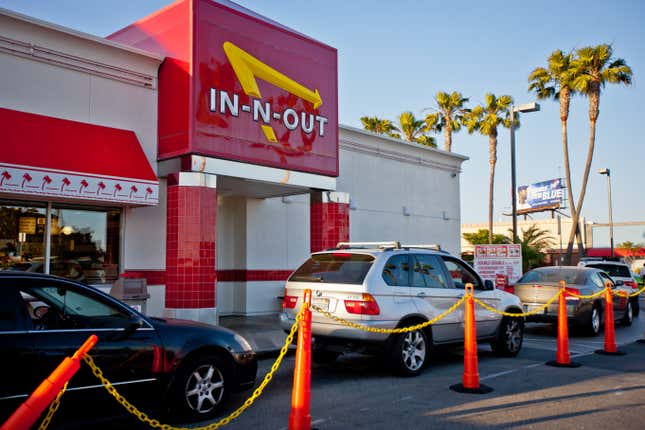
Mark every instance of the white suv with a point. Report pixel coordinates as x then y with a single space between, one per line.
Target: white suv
388 285
619 272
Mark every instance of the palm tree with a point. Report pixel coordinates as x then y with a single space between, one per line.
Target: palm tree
485 120
449 116
594 68
380 126
556 82
534 242
414 130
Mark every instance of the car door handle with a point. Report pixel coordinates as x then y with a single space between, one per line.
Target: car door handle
421 295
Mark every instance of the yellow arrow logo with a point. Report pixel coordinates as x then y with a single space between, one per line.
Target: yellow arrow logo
247 68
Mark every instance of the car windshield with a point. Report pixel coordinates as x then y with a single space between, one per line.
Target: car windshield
334 268
612 269
570 276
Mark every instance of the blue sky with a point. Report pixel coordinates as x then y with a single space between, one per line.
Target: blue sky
395 56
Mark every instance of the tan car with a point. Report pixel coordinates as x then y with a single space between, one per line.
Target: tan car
537 286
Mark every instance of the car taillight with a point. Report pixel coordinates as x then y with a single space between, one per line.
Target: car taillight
510 289
632 284
366 306
289 302
571 292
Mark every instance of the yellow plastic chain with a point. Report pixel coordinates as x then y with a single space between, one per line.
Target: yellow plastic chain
590 296
389 330
52 409
523 314
143 417
625 294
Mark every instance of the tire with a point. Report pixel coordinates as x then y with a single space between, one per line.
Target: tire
409 353
628 318
200 388
636 309
510 335
593 325
322 356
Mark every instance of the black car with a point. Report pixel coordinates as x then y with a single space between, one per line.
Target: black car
180 368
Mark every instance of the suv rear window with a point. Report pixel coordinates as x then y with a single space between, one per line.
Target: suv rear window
612 269
334 268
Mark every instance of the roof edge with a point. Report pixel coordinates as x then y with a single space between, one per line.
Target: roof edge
79 34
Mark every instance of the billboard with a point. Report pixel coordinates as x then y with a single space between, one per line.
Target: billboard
494 261
540 196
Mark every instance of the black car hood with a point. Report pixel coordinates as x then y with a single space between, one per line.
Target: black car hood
179 334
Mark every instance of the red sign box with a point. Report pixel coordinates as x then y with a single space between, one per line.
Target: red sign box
238 86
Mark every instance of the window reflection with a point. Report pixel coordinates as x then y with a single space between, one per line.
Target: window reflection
84 242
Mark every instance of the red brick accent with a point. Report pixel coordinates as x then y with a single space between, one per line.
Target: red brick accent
190 247
329 224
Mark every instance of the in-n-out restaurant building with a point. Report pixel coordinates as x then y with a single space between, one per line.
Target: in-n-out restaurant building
198 148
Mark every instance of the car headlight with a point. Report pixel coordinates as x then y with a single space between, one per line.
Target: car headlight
246 346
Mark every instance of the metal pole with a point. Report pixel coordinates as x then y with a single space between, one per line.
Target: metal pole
513 179
48 236
560 234
611 222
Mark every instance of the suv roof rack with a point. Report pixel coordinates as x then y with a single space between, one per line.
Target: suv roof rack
611 259
381 245
434 246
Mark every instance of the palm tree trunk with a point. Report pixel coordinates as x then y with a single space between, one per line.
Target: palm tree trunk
492 157
594 102
447 132
565 98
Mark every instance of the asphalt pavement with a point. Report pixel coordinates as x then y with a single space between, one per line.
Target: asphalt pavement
359 392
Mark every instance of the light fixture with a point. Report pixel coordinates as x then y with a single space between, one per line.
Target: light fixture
607 172
67 230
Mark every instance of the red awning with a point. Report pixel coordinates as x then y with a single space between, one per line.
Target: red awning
53 157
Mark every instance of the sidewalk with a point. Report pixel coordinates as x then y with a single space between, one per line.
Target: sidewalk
263 332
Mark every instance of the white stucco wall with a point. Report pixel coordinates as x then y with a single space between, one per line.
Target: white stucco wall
384 175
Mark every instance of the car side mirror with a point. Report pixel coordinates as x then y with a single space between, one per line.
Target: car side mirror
488 285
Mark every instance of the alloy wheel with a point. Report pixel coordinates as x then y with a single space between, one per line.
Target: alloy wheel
595 320
414 350
513 335
204 388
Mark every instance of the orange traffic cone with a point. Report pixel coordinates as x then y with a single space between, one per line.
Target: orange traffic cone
29 412
300 418
562 357
470 381
610 335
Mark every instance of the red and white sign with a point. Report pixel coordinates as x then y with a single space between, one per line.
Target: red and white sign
241 87
494 261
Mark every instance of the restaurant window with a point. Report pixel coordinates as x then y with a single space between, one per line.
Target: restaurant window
84 241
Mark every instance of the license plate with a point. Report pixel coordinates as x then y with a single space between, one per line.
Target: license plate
322 304
531 308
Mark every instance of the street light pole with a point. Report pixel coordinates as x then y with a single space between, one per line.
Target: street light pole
513 175
527 107
607 172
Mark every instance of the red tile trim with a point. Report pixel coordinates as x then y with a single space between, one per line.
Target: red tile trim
158 277
153 277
